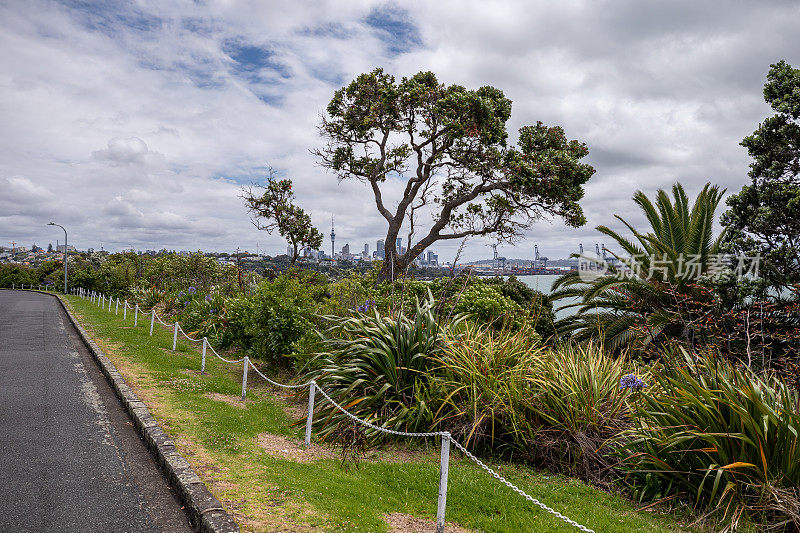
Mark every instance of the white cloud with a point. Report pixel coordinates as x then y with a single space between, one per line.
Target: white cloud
130 151
135 124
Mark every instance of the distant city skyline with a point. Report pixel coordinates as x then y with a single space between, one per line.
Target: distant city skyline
136 124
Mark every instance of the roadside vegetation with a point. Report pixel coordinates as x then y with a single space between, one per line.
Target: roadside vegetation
250 455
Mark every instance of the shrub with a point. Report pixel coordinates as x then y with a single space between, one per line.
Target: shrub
480 379
721 436
554 407
377 367
486 305
268 324
577 404
205 316
15 275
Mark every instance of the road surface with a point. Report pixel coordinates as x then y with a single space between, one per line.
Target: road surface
70 457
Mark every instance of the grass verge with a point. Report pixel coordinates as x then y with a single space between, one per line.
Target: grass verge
247 455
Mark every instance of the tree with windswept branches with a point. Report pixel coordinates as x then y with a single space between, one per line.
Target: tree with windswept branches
445 149
274 209
634 301
764 217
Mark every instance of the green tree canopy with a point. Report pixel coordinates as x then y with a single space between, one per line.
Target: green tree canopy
446 149
274 209
764 218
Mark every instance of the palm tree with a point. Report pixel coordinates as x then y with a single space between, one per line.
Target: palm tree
634 302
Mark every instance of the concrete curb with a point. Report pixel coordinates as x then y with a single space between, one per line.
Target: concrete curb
205 511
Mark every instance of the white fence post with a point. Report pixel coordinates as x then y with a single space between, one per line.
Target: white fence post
310 417
203 362
116 307
152 320
244 377
175 337
136 315
125 310
443 470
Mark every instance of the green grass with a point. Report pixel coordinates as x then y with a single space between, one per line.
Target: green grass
266 493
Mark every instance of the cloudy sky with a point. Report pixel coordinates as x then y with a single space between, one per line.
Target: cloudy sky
135 124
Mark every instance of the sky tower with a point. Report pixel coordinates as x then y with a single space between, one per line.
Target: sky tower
333 240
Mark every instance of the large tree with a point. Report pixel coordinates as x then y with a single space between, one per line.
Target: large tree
273 208
447 149
764 218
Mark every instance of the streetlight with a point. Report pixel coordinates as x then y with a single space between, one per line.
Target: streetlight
65 252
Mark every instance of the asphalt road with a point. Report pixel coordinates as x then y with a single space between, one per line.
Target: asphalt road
70 457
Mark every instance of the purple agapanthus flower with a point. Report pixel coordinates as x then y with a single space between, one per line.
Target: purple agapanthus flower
192 290
366 306
208 297
630 381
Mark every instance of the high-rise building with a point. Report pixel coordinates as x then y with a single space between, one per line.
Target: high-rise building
399 246
380 252
289 250
366 249
433 259
333 239
346 251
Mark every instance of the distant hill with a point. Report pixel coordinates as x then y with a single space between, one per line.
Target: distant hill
525 262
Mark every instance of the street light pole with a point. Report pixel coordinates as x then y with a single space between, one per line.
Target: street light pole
65 252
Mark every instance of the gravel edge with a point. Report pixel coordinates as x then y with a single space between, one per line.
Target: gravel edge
206 513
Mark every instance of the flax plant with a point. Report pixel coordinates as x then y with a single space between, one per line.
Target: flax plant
721 436
377 367
504 391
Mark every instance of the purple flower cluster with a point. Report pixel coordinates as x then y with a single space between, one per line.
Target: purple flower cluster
192 290
630 381
366 306
208 297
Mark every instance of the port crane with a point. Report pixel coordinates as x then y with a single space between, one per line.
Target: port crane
539 259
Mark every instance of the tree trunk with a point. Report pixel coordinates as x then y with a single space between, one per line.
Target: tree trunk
393 267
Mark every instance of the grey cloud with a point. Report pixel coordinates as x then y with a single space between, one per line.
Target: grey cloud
129 151
659 91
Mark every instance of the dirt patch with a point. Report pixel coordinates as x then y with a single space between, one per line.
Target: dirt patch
235 401
405 523
285 448
398 454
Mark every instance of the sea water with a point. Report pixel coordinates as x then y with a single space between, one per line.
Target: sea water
544 284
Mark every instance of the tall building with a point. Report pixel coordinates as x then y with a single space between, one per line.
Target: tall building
289 250
333 240
399 246
433 259
380 252
346 251
366 249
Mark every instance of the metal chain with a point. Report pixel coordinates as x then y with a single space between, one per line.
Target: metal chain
373 426
187 336
519 491
162 322
220 357
275 382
